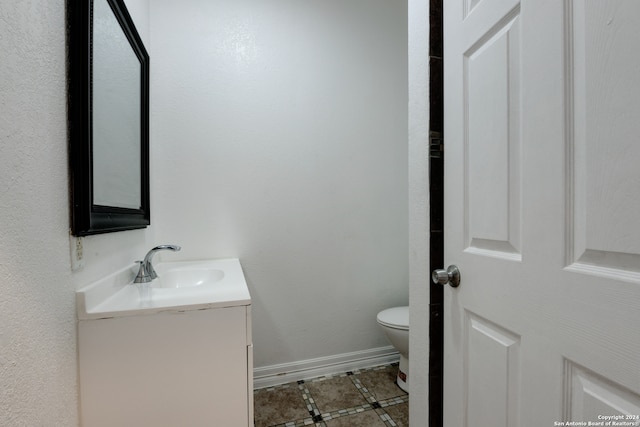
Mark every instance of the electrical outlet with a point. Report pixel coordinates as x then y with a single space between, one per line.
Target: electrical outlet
77 257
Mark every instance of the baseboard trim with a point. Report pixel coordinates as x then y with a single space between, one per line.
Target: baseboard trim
269 376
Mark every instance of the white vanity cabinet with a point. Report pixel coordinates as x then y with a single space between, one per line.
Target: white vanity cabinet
172 368
162 365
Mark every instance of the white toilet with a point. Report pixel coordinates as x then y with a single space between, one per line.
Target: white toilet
395 324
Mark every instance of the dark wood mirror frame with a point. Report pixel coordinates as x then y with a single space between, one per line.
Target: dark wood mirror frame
86 217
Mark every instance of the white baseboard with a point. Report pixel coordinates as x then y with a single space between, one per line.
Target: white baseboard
269 376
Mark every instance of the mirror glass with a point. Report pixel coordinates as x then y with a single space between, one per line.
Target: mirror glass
116 113
108 119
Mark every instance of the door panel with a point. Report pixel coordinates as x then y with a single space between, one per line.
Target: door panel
542 211
491 359
590 395
492 154
603 63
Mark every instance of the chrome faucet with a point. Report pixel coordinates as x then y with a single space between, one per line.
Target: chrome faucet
147 273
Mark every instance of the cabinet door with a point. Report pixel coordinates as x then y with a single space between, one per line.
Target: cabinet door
165 369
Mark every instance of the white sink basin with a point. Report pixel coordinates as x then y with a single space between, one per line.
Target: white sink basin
186 275
185 285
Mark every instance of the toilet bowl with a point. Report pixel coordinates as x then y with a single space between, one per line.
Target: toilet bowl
395 324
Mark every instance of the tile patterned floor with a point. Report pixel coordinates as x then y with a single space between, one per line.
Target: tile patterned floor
361 398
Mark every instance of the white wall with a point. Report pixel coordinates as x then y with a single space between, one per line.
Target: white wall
280 137
419 208
37 312
38 370
269 142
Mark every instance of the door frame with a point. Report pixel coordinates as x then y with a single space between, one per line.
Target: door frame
436 212
425 385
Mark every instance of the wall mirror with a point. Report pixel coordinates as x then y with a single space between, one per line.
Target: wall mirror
108 86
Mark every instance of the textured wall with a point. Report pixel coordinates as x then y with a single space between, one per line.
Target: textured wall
281 139
282 134
38 378
37 309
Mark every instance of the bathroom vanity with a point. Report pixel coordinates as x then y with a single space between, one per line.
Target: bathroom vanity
182 356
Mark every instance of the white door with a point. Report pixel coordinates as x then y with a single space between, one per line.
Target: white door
542 212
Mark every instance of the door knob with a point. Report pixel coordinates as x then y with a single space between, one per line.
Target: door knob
451 276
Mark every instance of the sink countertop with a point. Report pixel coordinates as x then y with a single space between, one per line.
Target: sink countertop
116 295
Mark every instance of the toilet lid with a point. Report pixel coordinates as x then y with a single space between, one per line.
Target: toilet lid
396 317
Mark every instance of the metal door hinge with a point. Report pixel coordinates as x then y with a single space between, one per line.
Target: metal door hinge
436 145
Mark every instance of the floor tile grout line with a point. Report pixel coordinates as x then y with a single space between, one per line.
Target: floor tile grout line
317 418
375 404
